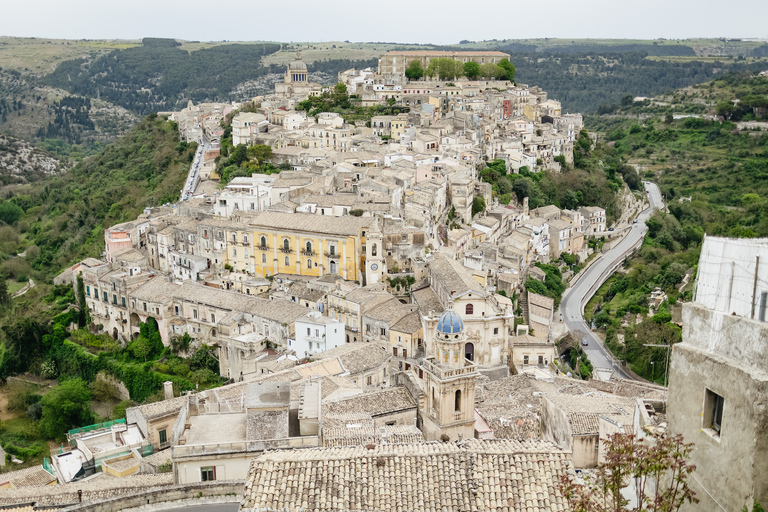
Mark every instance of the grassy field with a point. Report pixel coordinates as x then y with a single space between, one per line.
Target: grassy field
40 56
14 286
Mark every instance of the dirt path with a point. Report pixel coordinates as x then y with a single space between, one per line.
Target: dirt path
29 286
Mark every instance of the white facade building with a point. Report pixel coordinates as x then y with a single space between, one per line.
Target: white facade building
316 333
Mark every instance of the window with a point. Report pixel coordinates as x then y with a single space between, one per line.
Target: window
525 359
394 351
105 296
123 298
317 333
234 237
309 247
470 309
309 331
194 314
213 318
263 258
163 436
332 250
368 328
495 330
373 250
176 308
245 239
145 306
207 474
383 331
88 291
713 411
263 241
369 380
234 252
286 245
114 299
287 261
457 401
309 263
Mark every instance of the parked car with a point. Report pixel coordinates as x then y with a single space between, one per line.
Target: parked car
610 229
584 342
634 221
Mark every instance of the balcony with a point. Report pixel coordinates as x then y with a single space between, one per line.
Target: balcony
263 247
332 255
308 253
286 250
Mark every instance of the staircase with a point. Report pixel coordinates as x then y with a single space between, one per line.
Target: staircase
522 300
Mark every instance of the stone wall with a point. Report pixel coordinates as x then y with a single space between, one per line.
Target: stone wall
183 495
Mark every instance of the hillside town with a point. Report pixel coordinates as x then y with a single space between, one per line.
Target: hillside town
368 308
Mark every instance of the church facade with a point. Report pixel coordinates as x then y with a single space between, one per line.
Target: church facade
296 83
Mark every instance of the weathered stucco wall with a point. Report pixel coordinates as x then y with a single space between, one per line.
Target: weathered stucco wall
731 467
555 426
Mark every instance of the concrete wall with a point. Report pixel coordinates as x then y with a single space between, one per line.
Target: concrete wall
235 468
555 426
196 494
733 465
585 451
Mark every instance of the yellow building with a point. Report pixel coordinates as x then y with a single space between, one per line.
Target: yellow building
303 244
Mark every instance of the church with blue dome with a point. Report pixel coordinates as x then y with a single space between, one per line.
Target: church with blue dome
450 323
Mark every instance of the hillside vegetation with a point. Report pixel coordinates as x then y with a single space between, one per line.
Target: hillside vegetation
61 219
714 178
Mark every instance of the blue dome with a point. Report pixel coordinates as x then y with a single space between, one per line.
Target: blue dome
450 323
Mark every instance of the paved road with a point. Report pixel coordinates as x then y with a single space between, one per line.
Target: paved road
194 169
571 305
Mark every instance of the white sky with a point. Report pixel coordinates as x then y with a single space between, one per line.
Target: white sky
414 21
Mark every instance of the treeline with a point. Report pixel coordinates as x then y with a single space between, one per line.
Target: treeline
584 82
71 119
157 76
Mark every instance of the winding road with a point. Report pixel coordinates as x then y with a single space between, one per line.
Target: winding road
572 305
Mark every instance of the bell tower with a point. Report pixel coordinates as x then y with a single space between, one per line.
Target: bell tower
449 383
375 263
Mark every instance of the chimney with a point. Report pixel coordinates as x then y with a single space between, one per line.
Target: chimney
168 389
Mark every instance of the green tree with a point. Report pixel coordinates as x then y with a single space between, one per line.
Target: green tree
84 315
471 70
415 71
260 152
445 69
65 407
478 205
487 70
431 70
509 69
10 212
659 472
5 297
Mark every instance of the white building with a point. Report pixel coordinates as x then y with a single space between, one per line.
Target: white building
187 266
594 219
316 333
244 194
245 124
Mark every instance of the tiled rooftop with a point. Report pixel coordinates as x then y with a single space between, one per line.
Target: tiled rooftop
377 403
465 476
27 477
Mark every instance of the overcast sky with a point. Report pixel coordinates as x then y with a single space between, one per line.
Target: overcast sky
414 21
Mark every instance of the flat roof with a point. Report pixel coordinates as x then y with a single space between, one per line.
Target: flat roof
216 428
264 395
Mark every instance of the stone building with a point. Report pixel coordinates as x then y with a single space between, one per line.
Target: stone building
449 383
396 62
718 376
296 83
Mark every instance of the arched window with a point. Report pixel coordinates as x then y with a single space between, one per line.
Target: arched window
263 258
457 401
309 263
263 241
287 261
434 399
309 246
373 250
286 244
469 309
